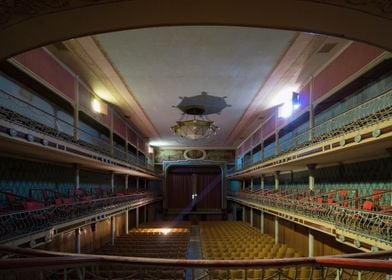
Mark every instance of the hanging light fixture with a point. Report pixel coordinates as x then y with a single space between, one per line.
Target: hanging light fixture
194 124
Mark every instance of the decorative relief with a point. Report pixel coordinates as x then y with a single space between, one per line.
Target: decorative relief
162 155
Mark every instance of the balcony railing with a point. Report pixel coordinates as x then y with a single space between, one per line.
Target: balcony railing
371 224
369 113
27 115
18 263
17 224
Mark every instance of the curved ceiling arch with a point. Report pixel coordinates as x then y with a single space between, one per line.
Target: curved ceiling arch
25 25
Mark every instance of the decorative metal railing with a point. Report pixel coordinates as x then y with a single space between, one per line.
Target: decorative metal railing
368 223
24 114
20 223
369 113
18 263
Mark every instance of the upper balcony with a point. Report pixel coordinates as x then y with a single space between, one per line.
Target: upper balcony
367 125
27 129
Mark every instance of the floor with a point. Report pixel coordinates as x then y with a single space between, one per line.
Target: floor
194 253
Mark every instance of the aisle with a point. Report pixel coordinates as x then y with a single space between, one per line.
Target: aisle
194 252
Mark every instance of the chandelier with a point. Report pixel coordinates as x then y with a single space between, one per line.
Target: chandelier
194 124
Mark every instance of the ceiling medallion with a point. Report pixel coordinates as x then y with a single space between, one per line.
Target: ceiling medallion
194 123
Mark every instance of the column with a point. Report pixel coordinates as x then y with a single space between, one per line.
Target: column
311 109
311 244
251 184
112 229
137 183
126 181
76 111
276 230
311 169
243 184
262 181
77 177
262 221
243 213
277 180
137 217
126 221
77 240
145 183
234 212
112 181
251 217
145 214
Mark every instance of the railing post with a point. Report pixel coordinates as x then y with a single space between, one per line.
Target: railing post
77 240
126 221
137 217
112 229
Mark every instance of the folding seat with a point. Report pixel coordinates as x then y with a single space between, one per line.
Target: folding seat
237 274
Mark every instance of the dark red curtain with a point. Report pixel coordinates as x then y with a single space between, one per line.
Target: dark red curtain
208 191
179 190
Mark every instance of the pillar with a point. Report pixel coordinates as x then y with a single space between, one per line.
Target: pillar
251 217
137 183
311 109
76 111
112 229
145 183
243 184
112 181
137 217
243 213
262 221
311 169
251 184
126 181
77 177
276 230
276 180
126 221
77 240
234 212
262 182
311 244
145 214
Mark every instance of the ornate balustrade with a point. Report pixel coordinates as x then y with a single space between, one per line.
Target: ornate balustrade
372 224
17 224
23 114
19 263
369 113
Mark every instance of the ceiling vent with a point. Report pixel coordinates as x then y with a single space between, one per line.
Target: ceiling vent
327 47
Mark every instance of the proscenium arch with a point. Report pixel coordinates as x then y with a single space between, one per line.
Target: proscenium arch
25 25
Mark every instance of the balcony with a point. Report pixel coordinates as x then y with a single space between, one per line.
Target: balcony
353 221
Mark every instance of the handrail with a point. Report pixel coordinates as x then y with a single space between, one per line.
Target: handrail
357 261
328 123
99 143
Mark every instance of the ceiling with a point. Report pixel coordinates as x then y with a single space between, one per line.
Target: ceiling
144 72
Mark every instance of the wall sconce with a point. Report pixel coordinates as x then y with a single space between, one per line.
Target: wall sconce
98 106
